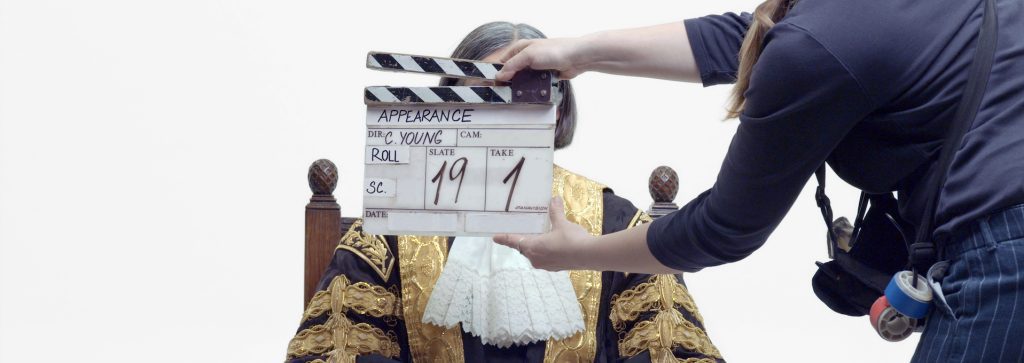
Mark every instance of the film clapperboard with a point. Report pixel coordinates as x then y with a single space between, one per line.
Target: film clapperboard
460 160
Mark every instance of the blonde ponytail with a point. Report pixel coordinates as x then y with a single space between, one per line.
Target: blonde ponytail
765 17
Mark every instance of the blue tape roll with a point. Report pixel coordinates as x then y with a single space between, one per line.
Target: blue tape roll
903 301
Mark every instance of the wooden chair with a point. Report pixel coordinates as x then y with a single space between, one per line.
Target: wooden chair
325 225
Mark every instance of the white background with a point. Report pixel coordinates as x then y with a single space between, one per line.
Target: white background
153 161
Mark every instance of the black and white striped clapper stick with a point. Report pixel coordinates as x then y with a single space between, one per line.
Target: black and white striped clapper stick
457 68
526 86
454 94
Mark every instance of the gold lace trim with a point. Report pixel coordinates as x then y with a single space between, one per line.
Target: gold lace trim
370 248
338 335
584 205
420 260
639 218
360 297
666 330
353 340
661 292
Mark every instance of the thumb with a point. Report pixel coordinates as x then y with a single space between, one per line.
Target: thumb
557 212
508 240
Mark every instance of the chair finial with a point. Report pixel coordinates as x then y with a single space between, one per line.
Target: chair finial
323 177
663 186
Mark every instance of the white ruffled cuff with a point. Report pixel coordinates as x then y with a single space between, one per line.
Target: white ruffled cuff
497 295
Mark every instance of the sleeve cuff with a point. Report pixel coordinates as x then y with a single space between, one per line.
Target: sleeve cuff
664 247
700 53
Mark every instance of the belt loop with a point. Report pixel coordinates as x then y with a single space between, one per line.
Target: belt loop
1016 221
988 240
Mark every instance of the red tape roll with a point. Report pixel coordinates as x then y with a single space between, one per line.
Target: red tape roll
876 311
889 323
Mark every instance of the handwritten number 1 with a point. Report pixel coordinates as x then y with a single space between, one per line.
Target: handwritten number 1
438 179
515 171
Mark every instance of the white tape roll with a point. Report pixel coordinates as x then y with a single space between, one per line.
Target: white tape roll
920 292
893 326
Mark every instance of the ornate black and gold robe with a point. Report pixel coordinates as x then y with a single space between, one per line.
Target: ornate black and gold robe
371 300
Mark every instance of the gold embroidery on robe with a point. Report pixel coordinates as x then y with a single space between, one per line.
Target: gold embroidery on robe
666 330
420 260
639 218
360 297
342 340
661 292
692 360
338 337
370 248
584 205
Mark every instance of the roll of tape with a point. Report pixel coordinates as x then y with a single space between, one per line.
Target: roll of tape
912 300
889 323
876 310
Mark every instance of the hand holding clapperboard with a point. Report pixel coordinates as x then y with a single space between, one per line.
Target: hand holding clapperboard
460 160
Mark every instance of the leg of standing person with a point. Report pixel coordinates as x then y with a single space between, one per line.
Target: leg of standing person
984 288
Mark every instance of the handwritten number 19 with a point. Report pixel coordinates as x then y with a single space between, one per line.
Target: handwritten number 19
515 171
439 178
461 175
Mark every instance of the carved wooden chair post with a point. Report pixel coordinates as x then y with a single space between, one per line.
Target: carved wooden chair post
663 186
323 223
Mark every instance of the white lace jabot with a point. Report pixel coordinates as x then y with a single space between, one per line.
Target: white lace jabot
497 295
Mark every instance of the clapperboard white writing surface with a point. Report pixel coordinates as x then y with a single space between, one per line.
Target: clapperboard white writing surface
470 161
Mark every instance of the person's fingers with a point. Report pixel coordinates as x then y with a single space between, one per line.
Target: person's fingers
509 240
557 212
516 58
514 49
568 74
518 62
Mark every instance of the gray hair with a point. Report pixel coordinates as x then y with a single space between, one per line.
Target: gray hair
492 37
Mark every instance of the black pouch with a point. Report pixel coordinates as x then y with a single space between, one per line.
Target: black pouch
854 279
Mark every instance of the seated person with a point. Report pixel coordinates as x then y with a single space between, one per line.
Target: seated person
373 298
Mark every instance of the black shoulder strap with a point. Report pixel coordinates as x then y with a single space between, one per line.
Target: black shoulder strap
824 204
922 251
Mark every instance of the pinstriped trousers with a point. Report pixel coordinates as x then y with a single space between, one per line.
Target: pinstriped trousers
982 319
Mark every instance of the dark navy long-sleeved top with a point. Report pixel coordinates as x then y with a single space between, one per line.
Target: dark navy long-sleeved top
869 86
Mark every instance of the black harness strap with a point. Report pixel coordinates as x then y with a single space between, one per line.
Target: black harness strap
825 205
923 252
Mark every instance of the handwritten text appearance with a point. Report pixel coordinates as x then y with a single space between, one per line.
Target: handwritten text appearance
426 115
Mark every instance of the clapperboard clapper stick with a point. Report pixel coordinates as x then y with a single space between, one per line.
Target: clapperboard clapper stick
460 160
527 86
